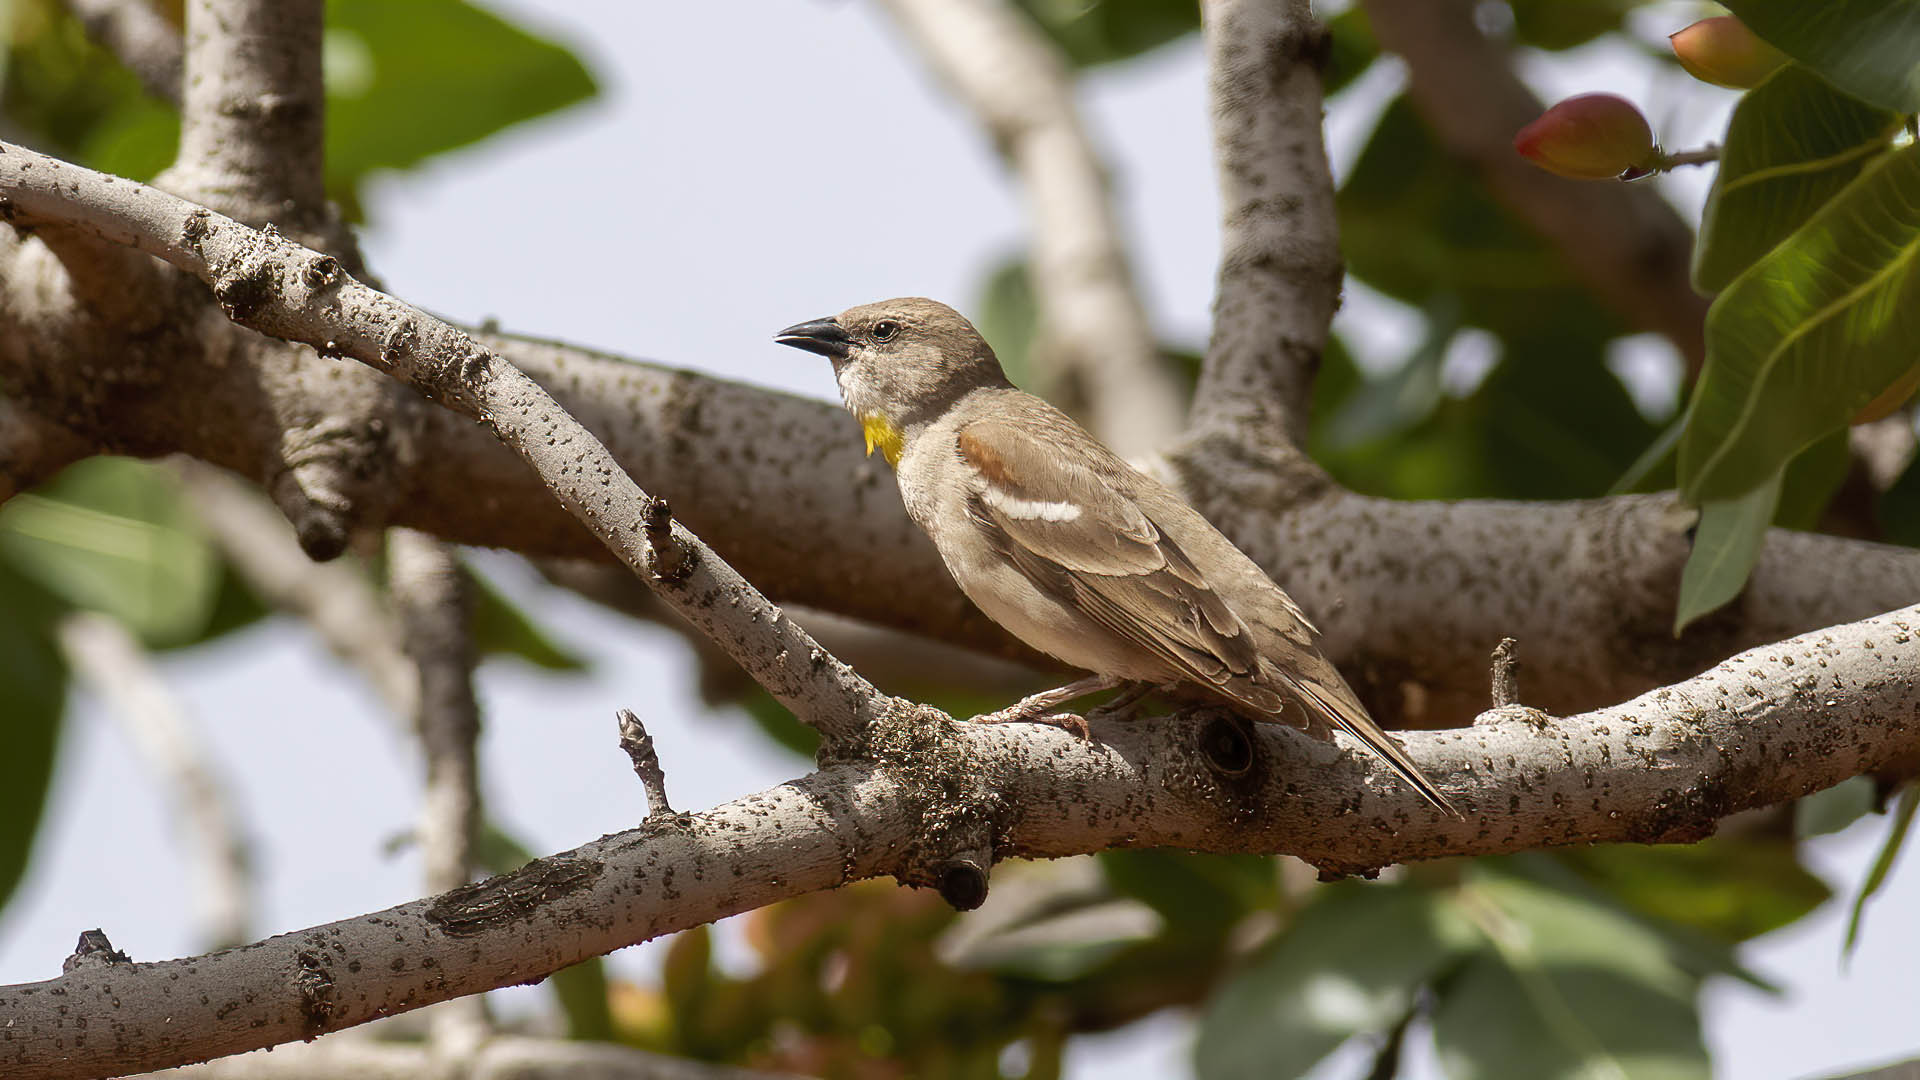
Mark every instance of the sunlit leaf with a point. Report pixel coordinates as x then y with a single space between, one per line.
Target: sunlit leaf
1350 964
1902 820
112 535
1869 48
1809 335
1794 141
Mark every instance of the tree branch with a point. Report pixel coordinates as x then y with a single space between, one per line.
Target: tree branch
272 285
1280 266
219 861
1093 325
140 36
1769 725
1622 240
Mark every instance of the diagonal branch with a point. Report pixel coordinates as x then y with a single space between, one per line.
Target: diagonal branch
1769 725
274 286
1280 266
1092 321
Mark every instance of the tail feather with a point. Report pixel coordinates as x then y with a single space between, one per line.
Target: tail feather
1349 717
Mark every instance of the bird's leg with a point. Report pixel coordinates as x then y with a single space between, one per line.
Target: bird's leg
1034 707
1123 702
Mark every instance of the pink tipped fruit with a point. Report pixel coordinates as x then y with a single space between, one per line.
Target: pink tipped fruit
1722 51
1590 137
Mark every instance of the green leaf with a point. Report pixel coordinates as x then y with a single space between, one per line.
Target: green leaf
1903 814
1810 481
1199 896
1009 318
1566 989
35 680
1794 142
1726 544
1389 405
1810 334
1094 32
1351 50
427 76
1834 809
1898 508
112 535
1350 964
1729 888
500 628
1563 24
1869 48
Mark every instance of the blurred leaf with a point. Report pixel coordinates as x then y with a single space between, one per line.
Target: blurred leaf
1869 48
1350 964
1793 143
432 75
1200 896
1568 988
66 94
1064 944
1730 888
1834 809
501 628
35 677
1653 469
1726 544
1391 404
780 725
1009 317
1902 820
1809 335
1556 423
1563 24
112 535
1100 31
1351 49
1810 481
1416 223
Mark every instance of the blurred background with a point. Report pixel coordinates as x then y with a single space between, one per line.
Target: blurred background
655 180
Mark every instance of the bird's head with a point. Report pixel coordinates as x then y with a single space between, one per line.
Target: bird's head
900 363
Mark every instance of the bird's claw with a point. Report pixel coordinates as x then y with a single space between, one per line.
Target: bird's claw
1068 722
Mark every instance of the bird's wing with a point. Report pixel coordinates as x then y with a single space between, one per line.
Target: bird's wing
1076 537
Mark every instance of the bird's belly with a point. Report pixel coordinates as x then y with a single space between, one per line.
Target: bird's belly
1005 595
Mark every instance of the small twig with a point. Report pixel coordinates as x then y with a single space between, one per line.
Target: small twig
113 662
93 950
1506 665
672 562
1706 155
646 763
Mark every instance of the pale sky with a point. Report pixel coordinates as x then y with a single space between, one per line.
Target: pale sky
737 175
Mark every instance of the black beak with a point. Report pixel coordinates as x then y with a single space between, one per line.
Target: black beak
823 336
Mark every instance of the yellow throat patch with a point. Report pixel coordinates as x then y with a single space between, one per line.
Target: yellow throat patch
882 436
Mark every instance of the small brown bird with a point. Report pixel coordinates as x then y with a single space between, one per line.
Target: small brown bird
1068 547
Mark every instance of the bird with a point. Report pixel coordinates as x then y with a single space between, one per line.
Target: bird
1068 547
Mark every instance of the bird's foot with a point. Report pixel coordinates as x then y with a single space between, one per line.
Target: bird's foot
1125 703
1015 714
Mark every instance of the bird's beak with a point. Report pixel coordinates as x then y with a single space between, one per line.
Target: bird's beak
823 336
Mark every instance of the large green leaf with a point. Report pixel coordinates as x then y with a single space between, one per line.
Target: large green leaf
1100 31
1809 335
427 76
1566 988
1350 964
1563 24
34 678
1869 48
501 628
112 535
1199 896
1793 142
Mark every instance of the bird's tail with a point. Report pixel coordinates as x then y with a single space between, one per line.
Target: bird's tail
1341 711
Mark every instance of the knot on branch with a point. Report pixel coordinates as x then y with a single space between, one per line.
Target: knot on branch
959 817
93 950
672 562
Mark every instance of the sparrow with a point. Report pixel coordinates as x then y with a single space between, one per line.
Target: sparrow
1068 547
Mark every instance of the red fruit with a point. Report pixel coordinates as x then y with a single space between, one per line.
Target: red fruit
1589 137
1722 51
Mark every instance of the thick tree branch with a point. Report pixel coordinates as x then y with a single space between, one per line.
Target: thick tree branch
219 857
1093 325
1280 266
277 287
140 36
1622 240
1770 725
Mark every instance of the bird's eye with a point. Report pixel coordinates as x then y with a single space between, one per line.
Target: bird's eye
886 330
